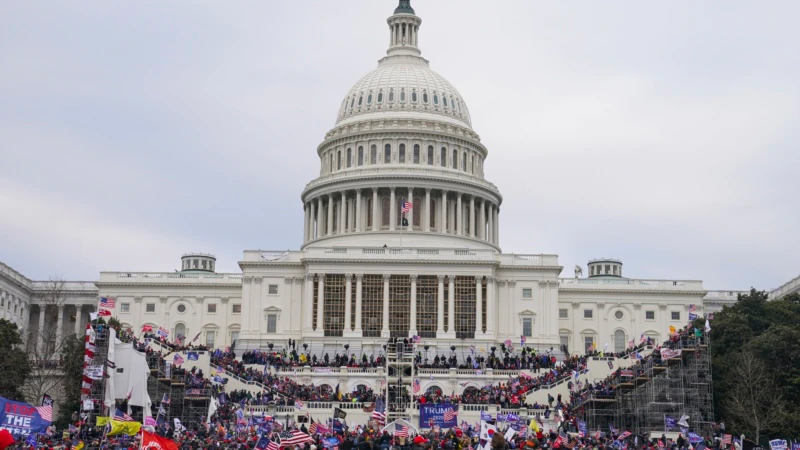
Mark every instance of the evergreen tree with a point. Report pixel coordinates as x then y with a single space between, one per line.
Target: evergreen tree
14 364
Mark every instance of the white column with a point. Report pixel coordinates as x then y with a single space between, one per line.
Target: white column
490 306
512 321
460 214
413 322
451 219
392 210
348 299
42 311
342 213
59 326
482 220
305 222
314 222
440 308
359 278
472 216
385 324
308 312
321 304
490 229
411 211
78 314
375 224
451 305
426 215
329 222
320 221
358 210
478 306
443 218
496 227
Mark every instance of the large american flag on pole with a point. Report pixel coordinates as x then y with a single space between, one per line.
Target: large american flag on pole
290 438
406 206
379 413
450 414
108 302
400 431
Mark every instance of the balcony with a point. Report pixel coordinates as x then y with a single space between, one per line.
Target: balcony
629 284
169 278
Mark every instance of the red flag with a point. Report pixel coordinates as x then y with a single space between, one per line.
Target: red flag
103 313
147 328
5 439
154 441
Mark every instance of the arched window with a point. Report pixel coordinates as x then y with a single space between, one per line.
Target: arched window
330 162
402 95
387 154
413 96
435 99
425 97
455 159
443 157
360 156
339 160
380 97
432 214
444 100
385 212
417 212
434 390
360 99
402 154
349 157
180 330
369 213
373 154
619 341
416 153
430 155
391 96
369 98
352 102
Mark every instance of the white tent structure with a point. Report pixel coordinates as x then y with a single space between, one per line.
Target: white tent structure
392 426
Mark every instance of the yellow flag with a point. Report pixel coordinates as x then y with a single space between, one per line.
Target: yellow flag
672 329
120 427
79 446
535 426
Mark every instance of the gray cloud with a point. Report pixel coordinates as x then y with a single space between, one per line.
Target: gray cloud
661 134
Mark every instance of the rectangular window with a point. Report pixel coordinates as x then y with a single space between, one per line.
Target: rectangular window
237 309
402 157
416 154
387 154
272 323
210 335
562 314
588 343
124 307
373 155
212 307
430 155
527 293
527 327
650 315
150 307
443 157
676 315
234 337
588 314
273 289
564 341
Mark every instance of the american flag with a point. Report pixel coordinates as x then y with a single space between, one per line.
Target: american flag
177 360
45 412
379 413
400 431
312 429
450 414
726 439
298 404
417 386
692 308
108 302
264 443
162 332
406 206
121 416
369 408
290 438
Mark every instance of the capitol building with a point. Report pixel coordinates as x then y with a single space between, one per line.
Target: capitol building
401 238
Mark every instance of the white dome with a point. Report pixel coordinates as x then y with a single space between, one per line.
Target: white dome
404 85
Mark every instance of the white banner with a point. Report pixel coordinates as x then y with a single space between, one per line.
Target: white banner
94 372
668 353
778 444
88 405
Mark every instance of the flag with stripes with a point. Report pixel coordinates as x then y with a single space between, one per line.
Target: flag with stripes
45 412
400 431
417 386
379 413
290 438
312 429
406 206
450 414
298 404
108 302
121 416
177 360
726 439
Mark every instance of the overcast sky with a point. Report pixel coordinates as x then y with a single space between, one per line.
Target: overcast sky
664 134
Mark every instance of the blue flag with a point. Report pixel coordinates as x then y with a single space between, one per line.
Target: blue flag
193 356
23 419
31 439
485 416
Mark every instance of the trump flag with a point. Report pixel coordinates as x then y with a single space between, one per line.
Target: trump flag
22 419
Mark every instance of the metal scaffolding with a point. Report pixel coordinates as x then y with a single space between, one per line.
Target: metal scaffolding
641 397
399 378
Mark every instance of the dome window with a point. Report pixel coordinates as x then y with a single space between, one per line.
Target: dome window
444 100
360 100
349 157
391 96
413 96
424 97
369 98
352 103
402 95
360 156
380 97
373 154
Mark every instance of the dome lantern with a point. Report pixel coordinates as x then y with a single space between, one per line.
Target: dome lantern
404 31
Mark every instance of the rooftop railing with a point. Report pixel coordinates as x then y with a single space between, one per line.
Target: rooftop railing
633 284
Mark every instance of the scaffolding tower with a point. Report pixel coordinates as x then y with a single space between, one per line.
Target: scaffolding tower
399 378
642 396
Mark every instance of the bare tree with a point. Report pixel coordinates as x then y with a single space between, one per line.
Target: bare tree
754 402
45 344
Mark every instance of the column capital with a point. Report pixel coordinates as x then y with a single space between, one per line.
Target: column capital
637 306
199 300
501 282
163 299
575 305
348 277
440 278
310 276
392 189
512 283
489 280
288 280
298 280
427 190
413 277
387 277
374 190
459 195
224 300
343 193
451 278
479 279
601 305
137 299
359 276
257 280
358 190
